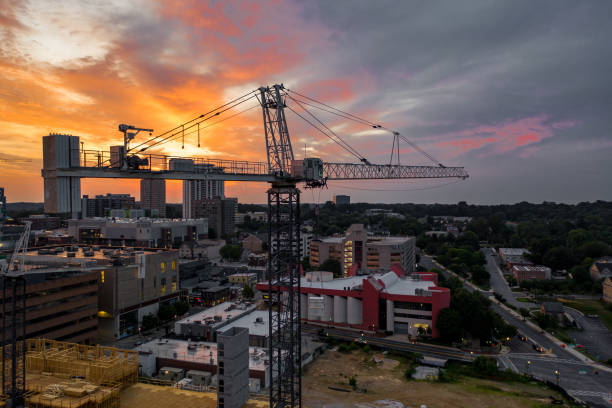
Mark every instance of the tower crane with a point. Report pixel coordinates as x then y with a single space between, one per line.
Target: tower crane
283 173
13 322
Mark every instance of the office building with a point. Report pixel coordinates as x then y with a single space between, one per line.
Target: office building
388 303
153 197
201 356
342 200
221 214
233 374
130 284
101 205
360 253
243 279
195 190
60 304
144 232
205 324
530 272
42 222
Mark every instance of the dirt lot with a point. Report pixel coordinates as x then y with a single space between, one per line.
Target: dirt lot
385 381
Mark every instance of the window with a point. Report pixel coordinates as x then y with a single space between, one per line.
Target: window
163 267
101 276
173 265
174 286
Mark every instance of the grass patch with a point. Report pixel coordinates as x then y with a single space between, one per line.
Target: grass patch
523 299
588 306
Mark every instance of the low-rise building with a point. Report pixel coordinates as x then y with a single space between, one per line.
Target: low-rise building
243 279
505 252
257 324
530 272
42 222
607 290
205 324
342 199
149 233
201 356
602 268
553 309
390 303
252 243
358 252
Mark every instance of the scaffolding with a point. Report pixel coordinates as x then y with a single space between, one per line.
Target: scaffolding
69 375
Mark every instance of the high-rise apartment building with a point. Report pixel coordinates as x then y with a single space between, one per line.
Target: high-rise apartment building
342 200
194 190
221 213
153 196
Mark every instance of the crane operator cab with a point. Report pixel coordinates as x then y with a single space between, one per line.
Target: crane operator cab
309 170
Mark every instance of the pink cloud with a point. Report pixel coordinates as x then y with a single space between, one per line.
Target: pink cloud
504 137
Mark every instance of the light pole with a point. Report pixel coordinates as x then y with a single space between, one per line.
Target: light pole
528 367
557 375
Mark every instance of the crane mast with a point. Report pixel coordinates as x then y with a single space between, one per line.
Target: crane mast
284 256
13 323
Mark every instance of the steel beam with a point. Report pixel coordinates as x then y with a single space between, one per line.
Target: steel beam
284 272
351 171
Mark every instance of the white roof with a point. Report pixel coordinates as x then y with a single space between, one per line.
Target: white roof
250 322
393 284
203 352
225 310
513 251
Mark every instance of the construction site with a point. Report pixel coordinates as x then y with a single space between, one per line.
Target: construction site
39 373
69 375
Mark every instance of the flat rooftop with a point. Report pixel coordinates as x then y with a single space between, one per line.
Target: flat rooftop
256 322
393 283
200 352
72 253
218 315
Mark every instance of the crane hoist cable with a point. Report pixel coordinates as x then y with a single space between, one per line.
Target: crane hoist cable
363 121
328 129
181 132
193 120
200 128
323 132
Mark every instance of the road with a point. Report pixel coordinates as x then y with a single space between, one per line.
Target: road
498 283
595 336
575 376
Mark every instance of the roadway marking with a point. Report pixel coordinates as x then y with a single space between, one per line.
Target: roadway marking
549 359
508 363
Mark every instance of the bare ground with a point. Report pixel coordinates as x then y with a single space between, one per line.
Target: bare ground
385 381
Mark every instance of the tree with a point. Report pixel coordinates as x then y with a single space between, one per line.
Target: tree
181 307
212 233
450 325
166 312
247 292
485 366
149 322
332 265
557 258
230 251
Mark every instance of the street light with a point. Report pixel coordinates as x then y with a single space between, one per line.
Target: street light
557 375
528 367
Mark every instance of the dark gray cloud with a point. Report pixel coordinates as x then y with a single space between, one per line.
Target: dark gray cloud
455 71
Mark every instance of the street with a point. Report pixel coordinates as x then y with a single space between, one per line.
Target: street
575 376
497 281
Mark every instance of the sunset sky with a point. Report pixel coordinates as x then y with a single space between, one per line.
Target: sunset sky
518 92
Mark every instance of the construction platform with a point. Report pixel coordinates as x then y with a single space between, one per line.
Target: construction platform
69 375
